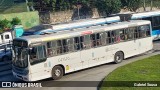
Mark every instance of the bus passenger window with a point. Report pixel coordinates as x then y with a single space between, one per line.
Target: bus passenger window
148 33
109 38
59 47
37 54
82 42
113 36
54 48
117 36
65 46
70 44
103 38
122 35
130 33
33 53
136 33
93 40
142 31
77 43
49 49
87 41
98 39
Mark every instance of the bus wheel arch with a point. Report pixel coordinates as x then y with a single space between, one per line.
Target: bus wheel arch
57 72
118 57
5 58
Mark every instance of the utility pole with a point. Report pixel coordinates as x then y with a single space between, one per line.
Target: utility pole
27 5
151 4
144 5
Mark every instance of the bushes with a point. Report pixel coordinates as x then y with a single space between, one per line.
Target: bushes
6 24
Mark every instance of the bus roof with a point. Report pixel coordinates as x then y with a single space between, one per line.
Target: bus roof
82 31
145 14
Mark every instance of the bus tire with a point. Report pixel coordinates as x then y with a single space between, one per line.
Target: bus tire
57 72
5 58
118 57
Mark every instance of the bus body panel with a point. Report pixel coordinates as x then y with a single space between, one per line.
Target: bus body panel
85 58
100 56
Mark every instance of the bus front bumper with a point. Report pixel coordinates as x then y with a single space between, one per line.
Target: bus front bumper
21 77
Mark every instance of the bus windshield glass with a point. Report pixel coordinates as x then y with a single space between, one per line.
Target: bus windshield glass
20 54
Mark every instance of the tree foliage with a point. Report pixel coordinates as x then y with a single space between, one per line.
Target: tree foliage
6 24
132 5
108 6
16 21
104 6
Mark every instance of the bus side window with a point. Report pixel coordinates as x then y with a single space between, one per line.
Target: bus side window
130 33
65 48
33 53
108 38
103 38
156 22
54 48
49 49
82 45
148 33
87 42
59 47
93 40
142 31
113 36
77 43
122 35
98 39
117 36
70 44
38 54
136 33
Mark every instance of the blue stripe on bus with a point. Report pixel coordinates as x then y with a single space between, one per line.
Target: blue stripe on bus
155 32
87 25
144 16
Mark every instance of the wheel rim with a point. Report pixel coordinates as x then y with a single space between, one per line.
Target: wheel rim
57 72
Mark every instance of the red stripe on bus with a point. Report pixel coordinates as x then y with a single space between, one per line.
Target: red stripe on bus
86 32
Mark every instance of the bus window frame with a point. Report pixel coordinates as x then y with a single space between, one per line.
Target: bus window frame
38 60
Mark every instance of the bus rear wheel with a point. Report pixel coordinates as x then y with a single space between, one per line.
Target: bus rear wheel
57 72
118 57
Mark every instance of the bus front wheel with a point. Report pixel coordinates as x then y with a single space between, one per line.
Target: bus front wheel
57 72
118 57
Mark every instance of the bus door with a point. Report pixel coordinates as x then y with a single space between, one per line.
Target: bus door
86 52
37 58
98 41
132 41
144 42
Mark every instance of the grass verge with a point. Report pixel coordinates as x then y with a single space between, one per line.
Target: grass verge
133 74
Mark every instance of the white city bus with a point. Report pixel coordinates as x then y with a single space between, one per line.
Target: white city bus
53 55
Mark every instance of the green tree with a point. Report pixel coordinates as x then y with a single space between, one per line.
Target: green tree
108 6
156 3
5 24
16 21
132 5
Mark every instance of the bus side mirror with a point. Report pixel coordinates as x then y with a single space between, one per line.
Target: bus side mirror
29 51
13 54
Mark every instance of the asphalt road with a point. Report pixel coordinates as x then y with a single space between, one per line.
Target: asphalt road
92 76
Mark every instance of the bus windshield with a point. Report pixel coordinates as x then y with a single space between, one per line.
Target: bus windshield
20 57
20 54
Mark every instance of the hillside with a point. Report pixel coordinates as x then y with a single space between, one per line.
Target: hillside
5 4
20 7
8 6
